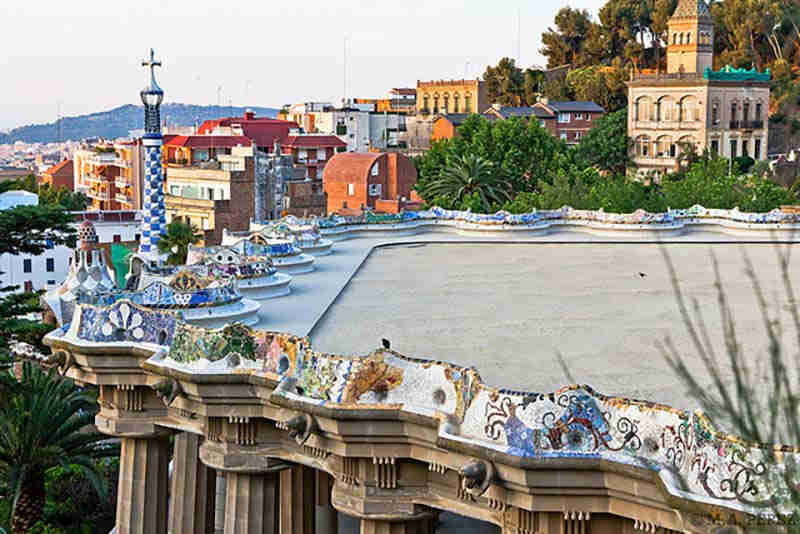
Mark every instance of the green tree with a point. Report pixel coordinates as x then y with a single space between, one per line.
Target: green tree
564 44
471 175
176 241
43 424
28 230
505 83
62 196
606 146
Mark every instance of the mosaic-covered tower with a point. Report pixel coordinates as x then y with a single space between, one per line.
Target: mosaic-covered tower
154 217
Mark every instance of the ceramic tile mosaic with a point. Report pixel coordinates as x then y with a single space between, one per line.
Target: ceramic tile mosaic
123 321
639 217
573 422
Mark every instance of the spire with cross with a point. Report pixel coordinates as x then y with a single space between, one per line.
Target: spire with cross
152 64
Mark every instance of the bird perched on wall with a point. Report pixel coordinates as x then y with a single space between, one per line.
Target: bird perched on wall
642 275
386 344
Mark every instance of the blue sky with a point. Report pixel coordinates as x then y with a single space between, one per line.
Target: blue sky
86 53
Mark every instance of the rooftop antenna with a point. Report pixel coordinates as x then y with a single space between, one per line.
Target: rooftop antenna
58 120
219 96
519 37
344 97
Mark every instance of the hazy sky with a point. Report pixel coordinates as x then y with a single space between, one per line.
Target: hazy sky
87 53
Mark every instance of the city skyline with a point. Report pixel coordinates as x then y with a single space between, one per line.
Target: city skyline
300 58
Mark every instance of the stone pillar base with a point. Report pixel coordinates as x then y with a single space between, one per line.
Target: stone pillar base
193 489
142 498
420 526
251 505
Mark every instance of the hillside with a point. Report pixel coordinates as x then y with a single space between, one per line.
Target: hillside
119 121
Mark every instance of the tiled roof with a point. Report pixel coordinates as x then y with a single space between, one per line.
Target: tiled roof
304 141
404 91
456 119
263 131
523 111
689 9
350 167
65 165
208 141
566 107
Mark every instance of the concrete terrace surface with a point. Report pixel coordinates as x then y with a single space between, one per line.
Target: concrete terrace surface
507 309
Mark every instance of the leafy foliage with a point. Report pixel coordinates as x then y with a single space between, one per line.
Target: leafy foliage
43 425
176 241
471 178
606 145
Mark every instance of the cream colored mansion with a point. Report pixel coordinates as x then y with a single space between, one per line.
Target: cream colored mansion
722 111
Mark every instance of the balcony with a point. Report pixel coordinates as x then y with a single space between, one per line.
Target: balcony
98 195
747 125
122 182
91 179
123 198
667 125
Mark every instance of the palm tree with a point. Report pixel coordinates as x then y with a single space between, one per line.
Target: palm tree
467 175
177 240
43 424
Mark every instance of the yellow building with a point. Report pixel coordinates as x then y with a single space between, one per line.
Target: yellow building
451 96
106 173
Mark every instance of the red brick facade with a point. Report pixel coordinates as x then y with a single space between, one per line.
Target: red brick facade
381 182
60 175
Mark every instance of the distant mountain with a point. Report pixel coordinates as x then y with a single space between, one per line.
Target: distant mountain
119 121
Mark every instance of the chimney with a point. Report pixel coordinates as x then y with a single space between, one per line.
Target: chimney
249 115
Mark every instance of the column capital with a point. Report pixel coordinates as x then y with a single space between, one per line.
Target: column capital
236 458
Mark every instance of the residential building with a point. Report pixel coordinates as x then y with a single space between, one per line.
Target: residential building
444 126
312 151
568 121
692 105
381 182
399 100
110 175
304 198
48 269
451 96
211 183
361 127
263 132
59 175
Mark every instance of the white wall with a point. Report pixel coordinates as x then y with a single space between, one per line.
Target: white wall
12 266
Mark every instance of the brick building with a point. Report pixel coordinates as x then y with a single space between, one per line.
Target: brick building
377 181
59 175
211 182
568 121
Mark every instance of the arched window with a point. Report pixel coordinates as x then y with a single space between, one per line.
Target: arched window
642 110
689 38
446 102
715 113
665 148
455 104
746 110
688 110
468 103
426 103
674 38
643 146
681 39
436 103
665 108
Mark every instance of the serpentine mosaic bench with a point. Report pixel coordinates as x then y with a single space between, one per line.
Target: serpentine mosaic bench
693 460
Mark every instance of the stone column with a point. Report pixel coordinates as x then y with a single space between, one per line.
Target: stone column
419 526
219 503
297 500
326 519
193 489
142 497
251 506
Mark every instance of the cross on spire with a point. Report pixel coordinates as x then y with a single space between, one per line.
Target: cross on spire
152 64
